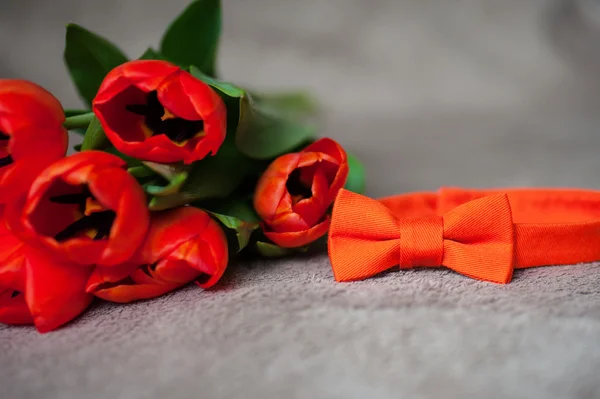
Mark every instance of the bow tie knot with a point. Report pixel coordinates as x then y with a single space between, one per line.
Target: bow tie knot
475 239
421 242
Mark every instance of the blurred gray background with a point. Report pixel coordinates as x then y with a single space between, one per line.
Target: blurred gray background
426 92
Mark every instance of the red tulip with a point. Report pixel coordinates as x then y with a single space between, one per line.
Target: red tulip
36 289
84 209
155 111
294 194
31 135
182 245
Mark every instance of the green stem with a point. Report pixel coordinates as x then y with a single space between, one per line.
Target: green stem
78 121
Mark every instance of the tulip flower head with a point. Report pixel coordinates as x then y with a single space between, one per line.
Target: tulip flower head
182 245
155 111
85 209
295 192
31 135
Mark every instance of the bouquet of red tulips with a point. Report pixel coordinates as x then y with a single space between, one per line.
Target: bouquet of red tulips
178 172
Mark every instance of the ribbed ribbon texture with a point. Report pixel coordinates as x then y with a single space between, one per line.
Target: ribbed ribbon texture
469 231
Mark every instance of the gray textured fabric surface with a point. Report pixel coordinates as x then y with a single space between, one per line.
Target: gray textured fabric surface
428 93
287 330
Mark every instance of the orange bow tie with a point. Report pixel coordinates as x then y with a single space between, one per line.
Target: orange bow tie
483 234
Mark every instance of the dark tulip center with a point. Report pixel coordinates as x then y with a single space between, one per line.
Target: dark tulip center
99 221
297 189
15 294
159 121
8 159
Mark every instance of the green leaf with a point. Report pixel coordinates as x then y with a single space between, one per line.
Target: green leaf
94 138
356 175
238 207
269 124
89 58
213 177
219 175
193 38
243 230
151 54
239 216
297 104
269 250
226 88
265 133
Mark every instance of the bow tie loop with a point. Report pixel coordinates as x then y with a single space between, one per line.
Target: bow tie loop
475 239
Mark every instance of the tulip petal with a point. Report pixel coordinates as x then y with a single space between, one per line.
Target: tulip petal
170 229
216 242
147 75
121 126
312 209
118 190
335 151
329 147
32 119
289 222
108 274
55 292
12 272
41 145
173 97
28 105
176 271
13 308
129 293
299 238
271 189
12 260
83 250
210 106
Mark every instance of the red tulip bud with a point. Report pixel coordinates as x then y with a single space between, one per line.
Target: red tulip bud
294 194
155 111
182 245
84 209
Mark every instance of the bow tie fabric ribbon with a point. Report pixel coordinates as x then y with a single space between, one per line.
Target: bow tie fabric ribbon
483 234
